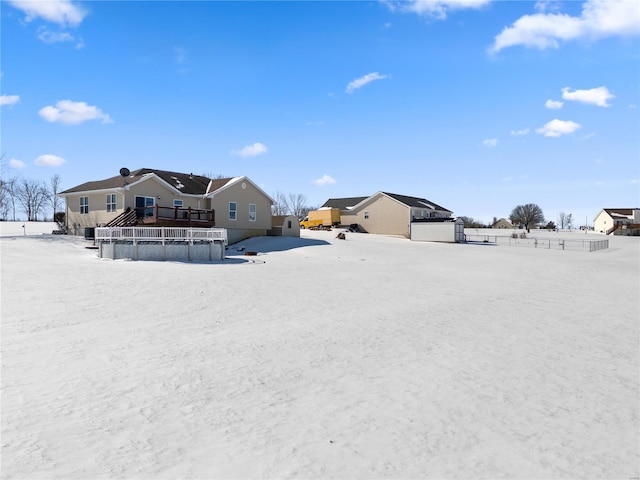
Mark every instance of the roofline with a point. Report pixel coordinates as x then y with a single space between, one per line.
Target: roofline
234 181
363 202
147 176
111 189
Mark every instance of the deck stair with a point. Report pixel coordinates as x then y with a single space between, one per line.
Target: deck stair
128 218
620 226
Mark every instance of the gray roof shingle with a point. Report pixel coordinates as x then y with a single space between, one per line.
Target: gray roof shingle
186 183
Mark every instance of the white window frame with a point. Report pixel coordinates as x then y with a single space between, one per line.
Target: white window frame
233 212
366 215
177 202
84 205
253 214
112 202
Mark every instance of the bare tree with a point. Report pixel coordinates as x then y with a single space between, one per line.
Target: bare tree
565 220
470 222
279 206
4 201
32 196
53 193
527 215
296 204
8 197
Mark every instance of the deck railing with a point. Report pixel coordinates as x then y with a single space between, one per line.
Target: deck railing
159 234
179 214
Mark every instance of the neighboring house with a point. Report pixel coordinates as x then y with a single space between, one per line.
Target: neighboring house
502 223
619 221
284 226
386 213
157 197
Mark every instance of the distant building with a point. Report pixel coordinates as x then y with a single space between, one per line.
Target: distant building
386 213
618 221
284 226
502 223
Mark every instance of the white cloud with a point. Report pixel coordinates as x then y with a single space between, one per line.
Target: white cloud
595 96
62 12
546 5
73 113
324 180
557 128
47 36
516 133
437 9
13 163
490 142
180 55
553 104
251 150
49 161
362 81
9 99
599 19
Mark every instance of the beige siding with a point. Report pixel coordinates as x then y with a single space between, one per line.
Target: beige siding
602 222
385 216
97 214
242 197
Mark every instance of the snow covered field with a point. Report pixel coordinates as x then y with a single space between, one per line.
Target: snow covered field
370 357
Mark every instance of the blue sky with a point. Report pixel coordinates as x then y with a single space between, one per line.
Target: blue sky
476 105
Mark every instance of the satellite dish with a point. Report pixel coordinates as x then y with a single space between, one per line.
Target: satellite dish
125 172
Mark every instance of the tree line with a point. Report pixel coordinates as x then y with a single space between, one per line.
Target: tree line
37 199
527 216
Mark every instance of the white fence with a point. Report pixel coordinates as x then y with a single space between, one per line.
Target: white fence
523 240
159 234
162 243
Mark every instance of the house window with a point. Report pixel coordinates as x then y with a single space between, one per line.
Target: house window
366 215
111 202
252 212
233 208
145 206
177 203
84 204
289 224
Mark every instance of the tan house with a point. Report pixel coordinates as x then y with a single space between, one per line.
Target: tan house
618 221
386 213
502 223
157 197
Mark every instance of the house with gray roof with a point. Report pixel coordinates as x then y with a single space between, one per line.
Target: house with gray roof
157 197
386 213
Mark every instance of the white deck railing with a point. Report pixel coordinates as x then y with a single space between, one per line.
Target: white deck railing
160 234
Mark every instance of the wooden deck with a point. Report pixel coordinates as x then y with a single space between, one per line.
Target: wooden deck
159 216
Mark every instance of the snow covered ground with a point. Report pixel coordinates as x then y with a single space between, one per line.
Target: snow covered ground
370 357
